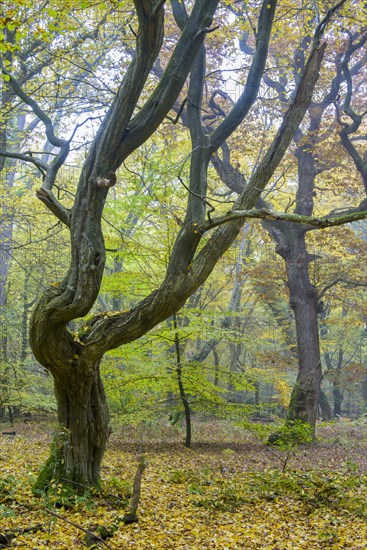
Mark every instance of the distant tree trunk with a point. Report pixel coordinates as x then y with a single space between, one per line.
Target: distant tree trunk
8 172
291 246
305 305
216 366
181 387
338 398
364 390
324 405
11 415
257 393
336 370
235 323
25 315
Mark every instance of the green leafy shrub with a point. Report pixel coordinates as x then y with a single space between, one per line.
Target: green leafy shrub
289 438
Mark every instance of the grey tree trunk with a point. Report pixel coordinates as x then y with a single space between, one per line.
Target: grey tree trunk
305 306
325 409
74 364
338 398
336 370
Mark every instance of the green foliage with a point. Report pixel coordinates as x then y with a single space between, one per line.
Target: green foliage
289 438
66 496
227 498
180 476
9 486
291 435
117 490
6 511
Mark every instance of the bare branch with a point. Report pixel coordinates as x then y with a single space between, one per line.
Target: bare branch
54 140
64 146
179 112
205 30
41 166
338 280
321 27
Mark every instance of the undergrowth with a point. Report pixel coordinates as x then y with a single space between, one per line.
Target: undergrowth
342 492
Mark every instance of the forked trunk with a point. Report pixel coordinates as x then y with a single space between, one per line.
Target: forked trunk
81 440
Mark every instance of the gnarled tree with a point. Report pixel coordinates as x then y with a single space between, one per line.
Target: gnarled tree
74 361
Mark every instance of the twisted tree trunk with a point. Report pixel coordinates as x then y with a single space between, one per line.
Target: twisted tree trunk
83 412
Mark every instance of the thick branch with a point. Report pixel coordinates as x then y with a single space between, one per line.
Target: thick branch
356 119
114 127
49 199
229 175
198 166
188 240
179 13
158 6
266 214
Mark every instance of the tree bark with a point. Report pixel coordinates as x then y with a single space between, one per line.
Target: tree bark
336 375
338 398
83 429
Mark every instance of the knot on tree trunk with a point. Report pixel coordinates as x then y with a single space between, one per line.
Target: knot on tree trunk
107 181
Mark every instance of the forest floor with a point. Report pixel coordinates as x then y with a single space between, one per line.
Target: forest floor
227 492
